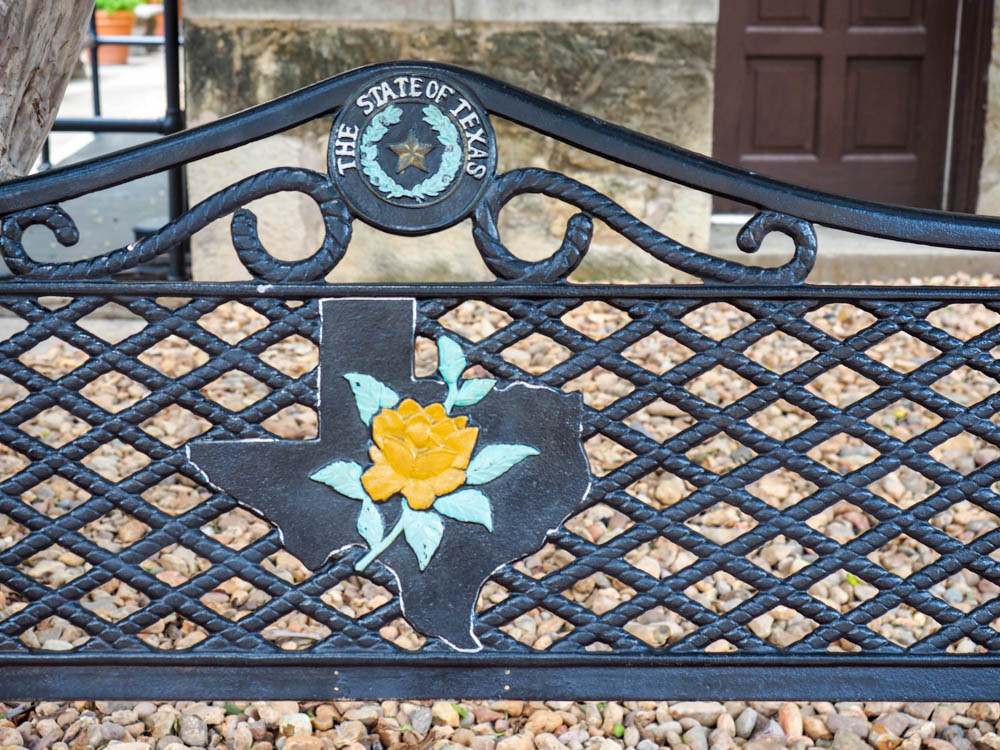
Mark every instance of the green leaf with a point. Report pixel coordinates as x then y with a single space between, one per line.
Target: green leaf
343 476
232 710
451 359
470 506
371 395
619 730
370 524
474 390
460 711
494 460
423 530
852 579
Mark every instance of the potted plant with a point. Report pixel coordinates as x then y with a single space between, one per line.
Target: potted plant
114 18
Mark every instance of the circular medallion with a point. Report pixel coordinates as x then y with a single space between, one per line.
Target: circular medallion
412 152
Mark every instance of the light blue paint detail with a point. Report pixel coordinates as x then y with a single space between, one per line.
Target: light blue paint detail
473 390
371 395
451 359
423 530
470 506
494 460
344 477
370 523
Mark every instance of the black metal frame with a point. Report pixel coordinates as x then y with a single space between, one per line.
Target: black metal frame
171 122
354 661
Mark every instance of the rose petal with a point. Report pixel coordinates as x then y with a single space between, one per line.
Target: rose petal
408 407
446 481
381 482
419 494
400 454
386 422
462 443
431 462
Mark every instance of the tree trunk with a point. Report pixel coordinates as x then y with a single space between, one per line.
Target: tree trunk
40 42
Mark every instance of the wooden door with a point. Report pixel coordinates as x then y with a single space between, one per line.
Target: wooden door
847 96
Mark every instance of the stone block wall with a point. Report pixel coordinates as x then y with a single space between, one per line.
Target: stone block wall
646 64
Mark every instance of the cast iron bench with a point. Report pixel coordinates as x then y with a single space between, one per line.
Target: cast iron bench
425 490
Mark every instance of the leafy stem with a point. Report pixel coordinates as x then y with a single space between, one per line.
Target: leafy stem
381 546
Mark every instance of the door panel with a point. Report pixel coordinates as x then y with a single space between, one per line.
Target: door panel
847 96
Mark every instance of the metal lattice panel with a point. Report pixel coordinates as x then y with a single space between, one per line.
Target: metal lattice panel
615 488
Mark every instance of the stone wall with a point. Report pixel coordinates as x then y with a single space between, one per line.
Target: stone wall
647 64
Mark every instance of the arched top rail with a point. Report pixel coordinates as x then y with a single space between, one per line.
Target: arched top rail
614 142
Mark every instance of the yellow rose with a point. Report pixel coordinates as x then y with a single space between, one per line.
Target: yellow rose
419 451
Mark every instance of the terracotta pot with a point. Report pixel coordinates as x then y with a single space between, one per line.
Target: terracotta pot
119 23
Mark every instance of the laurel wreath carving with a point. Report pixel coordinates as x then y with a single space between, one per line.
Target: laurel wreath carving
432 186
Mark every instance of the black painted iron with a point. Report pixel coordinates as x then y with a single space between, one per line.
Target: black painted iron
308 490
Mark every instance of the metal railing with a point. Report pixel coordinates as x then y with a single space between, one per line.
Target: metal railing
172 120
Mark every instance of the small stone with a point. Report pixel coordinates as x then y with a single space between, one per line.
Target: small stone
258 729
193 731
790 719
128 745
446 713
815 728
294 724
479 742
517 742
609 744
942 716
510 708
349 731
989 741
920 710
112 731
938 744
176 746
631 737
125 717
696 738
746 722
367 714
486 715
647 745
845 739
324 717
984 711
145 709
923 730
854 724
303 742
170 739
420 720
241 738
541 722
161 723
548 741
720 739
704 712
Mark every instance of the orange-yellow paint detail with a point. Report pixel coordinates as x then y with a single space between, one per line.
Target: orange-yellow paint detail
419 451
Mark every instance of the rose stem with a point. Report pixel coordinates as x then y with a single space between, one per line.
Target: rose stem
379 548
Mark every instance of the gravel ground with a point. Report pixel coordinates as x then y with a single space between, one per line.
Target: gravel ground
513 725
499 725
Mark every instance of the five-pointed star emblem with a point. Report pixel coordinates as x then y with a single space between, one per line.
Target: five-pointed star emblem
411 153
